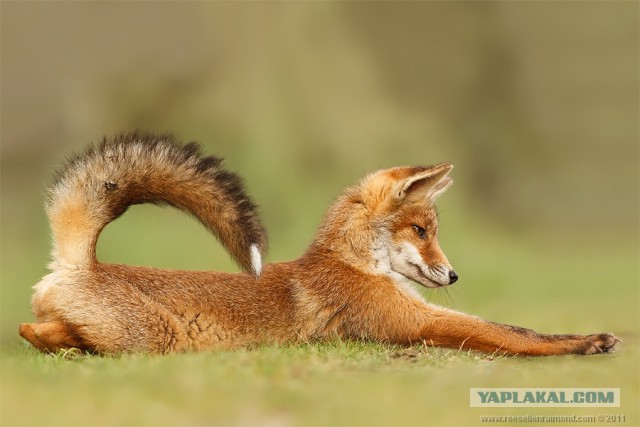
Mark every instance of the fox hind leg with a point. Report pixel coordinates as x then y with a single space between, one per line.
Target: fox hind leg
51 336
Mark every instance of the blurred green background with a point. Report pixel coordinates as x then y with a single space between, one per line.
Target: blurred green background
535 103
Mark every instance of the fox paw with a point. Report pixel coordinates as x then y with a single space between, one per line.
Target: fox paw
599 343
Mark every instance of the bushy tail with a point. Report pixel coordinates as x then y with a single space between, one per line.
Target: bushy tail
97 186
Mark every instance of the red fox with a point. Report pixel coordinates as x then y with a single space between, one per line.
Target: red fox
354 282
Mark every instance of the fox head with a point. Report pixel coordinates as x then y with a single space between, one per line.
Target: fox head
410 223
388 225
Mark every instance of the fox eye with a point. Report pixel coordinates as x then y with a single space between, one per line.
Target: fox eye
421 232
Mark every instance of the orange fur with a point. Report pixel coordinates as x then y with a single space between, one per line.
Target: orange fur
354 282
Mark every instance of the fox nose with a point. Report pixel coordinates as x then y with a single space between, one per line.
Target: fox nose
453 277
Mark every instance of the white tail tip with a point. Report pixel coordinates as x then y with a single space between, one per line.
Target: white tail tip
256 260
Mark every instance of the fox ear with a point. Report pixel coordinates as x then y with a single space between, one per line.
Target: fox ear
424 183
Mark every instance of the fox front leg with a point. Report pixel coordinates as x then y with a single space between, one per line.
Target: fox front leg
457 330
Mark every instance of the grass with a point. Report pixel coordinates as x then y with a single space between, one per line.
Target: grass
340 383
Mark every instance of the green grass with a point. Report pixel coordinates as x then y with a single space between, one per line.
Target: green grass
311 384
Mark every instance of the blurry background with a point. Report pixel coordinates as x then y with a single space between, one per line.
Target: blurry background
536 104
